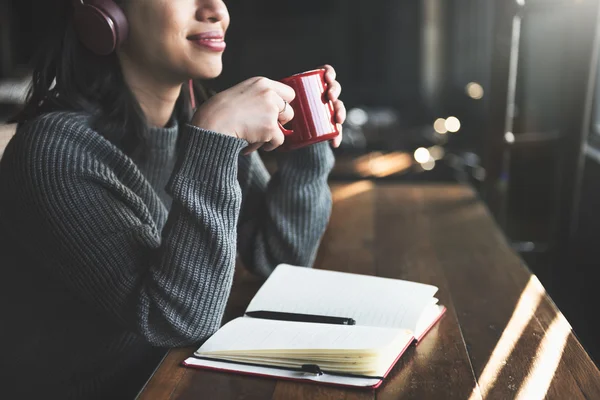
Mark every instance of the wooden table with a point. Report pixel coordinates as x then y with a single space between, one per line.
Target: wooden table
502 337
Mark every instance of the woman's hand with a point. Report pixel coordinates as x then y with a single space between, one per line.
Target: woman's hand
334 93
250 111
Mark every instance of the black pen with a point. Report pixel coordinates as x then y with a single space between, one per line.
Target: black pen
284 316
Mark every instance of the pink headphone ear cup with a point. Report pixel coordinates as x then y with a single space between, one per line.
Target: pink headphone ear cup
101 25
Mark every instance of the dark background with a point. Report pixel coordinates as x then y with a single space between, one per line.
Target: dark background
529 146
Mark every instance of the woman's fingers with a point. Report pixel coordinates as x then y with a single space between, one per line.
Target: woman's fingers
251 148
330 73
338 139
275 142
340 111
284 91
286 114
334 91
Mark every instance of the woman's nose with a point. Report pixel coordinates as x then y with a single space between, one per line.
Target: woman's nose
212 11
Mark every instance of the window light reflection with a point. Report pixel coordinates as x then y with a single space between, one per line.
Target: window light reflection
452 124
437 152
526 306
351 190
382 165
428 165
546 360
440 126
422 155
474 90
357 117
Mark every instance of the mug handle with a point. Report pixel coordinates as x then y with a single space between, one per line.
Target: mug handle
286 132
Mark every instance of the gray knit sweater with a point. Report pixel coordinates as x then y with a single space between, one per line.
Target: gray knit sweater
109 259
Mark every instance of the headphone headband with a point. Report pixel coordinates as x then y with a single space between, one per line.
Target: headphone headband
100 24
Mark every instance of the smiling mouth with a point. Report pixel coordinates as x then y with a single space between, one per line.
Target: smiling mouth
213 41
217 35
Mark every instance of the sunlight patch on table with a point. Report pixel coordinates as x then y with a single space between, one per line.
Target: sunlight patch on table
526 306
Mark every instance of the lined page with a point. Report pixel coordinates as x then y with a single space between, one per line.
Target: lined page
370 300
250 334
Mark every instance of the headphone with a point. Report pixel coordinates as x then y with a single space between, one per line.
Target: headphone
100 24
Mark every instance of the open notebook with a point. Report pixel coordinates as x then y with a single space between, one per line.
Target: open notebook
388 315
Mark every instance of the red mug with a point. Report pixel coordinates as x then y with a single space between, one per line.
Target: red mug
314 116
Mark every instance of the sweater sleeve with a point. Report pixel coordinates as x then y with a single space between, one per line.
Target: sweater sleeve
100 238
285 215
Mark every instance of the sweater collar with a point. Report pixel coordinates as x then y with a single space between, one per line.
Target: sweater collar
162 138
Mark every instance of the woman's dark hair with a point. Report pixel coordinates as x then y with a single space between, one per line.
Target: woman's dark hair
67 76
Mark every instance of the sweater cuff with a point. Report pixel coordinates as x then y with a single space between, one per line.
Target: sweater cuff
314 160
207 155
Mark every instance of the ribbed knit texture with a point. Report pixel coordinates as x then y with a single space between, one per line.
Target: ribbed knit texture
108 259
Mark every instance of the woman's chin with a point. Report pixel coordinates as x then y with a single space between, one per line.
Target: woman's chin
208 71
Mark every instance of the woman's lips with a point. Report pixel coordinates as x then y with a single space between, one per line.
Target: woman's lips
213 41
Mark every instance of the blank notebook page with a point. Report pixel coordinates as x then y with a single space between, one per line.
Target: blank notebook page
370 300
251 334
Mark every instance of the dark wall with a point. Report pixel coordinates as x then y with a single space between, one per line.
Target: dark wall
19 32
469 59
577 294
374 46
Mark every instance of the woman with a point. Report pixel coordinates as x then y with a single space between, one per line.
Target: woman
122 210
